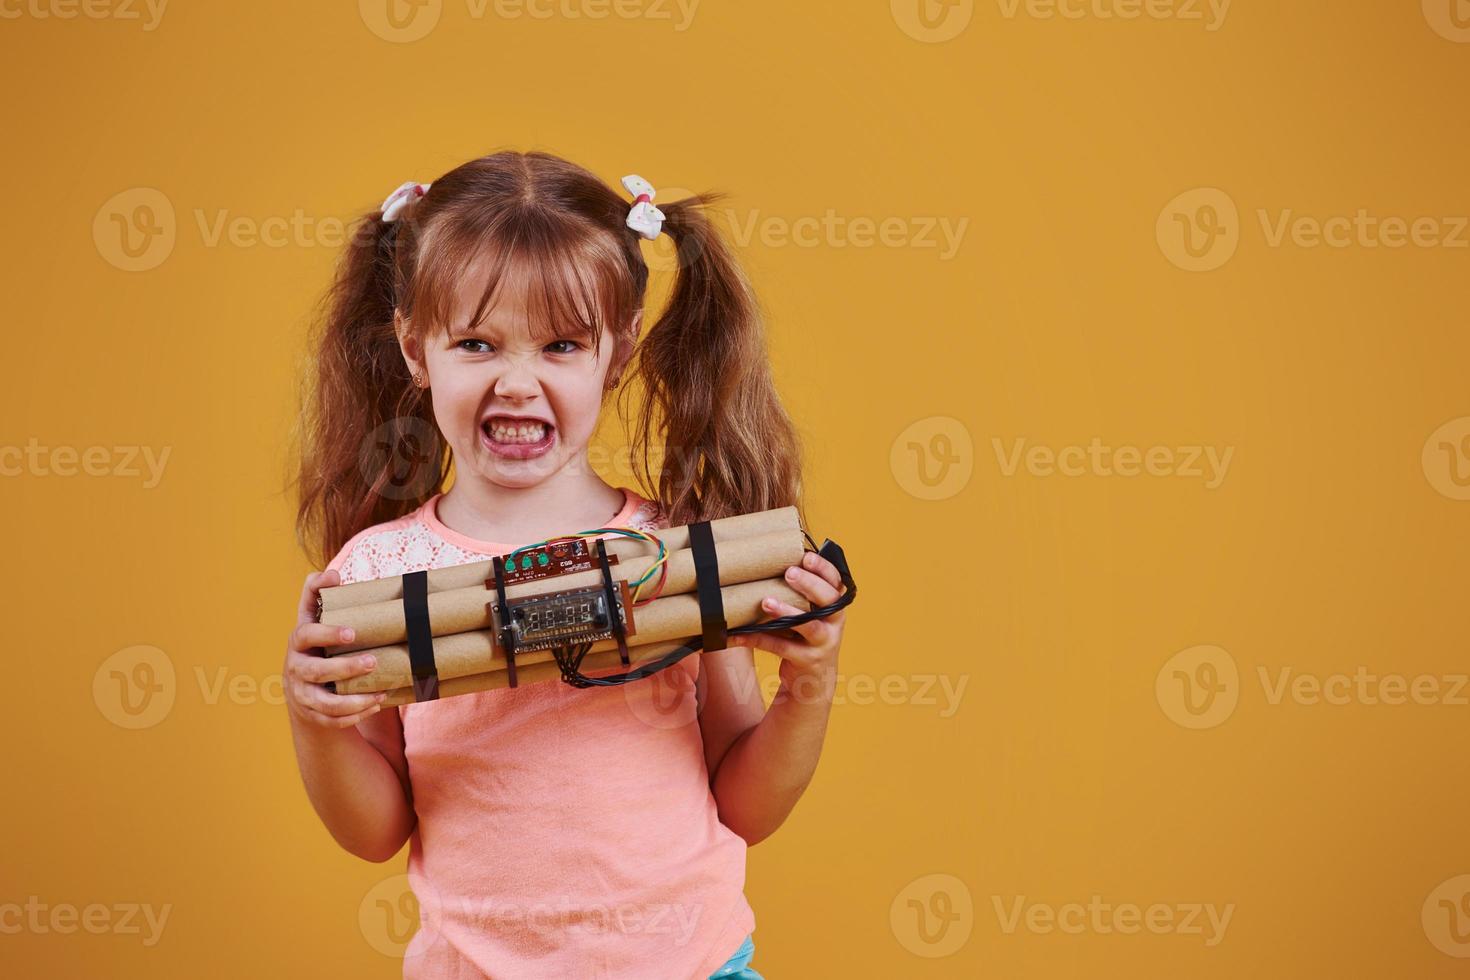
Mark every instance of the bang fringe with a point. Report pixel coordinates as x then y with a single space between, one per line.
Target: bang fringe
570 283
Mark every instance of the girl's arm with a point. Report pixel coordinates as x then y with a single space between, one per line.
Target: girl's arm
357 789
350 753
761 761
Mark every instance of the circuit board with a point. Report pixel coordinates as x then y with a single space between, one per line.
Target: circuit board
571 616
556 558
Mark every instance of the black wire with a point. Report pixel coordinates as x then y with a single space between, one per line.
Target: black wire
571 668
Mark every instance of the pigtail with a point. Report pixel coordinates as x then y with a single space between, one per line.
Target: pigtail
729 446
369 449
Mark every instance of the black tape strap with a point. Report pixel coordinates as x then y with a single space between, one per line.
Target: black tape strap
707 584
420 637
619 629
507 635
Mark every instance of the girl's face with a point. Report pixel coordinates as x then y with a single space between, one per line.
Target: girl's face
514 410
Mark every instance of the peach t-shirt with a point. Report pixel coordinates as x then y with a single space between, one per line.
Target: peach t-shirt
562 832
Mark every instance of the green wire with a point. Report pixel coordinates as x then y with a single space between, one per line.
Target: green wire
606 530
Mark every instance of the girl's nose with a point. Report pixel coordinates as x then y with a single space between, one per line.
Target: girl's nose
517 381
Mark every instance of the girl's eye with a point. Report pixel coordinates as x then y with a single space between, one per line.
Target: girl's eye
572 345
471 340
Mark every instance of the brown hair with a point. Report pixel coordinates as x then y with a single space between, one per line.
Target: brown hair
707 394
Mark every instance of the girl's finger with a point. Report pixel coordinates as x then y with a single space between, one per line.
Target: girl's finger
315 582
310 636
319 670
797 651
338 721
320 699
816 631
816 589
816 563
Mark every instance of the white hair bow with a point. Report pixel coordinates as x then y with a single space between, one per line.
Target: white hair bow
644 218
398 200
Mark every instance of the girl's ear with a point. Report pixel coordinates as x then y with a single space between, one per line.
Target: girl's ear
413 350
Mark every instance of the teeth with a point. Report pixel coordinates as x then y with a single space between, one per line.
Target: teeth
518 432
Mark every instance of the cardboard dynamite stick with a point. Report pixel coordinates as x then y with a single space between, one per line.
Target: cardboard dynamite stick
460 610
533 670
476 573
675 617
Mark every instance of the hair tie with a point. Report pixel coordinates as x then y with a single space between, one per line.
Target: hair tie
644 218
395 203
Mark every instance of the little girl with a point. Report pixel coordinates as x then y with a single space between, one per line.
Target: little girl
481 322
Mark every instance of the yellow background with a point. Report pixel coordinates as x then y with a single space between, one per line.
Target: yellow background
1332 544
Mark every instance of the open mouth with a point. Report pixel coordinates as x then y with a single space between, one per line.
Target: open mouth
517 438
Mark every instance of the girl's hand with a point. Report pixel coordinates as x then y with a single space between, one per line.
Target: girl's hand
808 652
307 668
